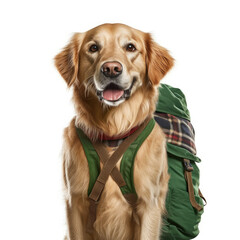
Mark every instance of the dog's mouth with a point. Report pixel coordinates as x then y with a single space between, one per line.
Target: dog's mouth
113 93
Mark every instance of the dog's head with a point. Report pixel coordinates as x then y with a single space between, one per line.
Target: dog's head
112 61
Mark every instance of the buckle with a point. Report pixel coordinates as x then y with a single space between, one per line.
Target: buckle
187 165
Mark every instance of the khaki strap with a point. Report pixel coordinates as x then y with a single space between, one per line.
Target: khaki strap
188 177
103 155
108 168
115 174
112 161
92 215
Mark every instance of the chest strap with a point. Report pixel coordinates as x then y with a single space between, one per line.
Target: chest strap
109 168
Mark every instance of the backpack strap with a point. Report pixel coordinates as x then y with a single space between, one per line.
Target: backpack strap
94 161
116 175
188 177
128 159
107 169
103 155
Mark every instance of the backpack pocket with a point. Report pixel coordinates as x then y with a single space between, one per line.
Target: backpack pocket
181 221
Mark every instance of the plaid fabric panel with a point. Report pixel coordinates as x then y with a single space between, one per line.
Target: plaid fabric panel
178 131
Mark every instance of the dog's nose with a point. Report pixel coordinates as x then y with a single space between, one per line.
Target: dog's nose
111 69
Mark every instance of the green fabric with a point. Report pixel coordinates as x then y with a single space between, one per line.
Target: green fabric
182 152
92 157
127 163
181 221
172 101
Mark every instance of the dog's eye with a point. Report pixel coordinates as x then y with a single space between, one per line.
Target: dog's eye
131 48
93 48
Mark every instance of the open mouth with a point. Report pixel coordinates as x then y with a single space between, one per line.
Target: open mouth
115 93
112 92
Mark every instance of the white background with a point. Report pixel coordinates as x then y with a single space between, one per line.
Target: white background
203 37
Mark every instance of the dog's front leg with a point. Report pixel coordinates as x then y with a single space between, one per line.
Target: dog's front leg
74 221
72 197
150 220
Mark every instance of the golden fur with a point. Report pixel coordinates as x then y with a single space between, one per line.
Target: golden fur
80 69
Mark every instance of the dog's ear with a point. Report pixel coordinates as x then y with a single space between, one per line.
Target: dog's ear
67 61
159 61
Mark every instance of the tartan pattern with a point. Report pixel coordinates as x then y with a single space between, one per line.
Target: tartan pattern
178 131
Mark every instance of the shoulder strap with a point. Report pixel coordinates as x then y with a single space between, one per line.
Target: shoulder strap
128 159
130 197
92 158
94 153
103 155
107 169
112 161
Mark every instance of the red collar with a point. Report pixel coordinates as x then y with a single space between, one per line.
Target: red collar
103 137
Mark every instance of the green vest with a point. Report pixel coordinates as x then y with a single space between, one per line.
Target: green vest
127 162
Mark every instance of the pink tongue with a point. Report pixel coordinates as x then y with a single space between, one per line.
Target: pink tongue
112 95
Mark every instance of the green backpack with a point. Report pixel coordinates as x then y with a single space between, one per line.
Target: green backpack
184 203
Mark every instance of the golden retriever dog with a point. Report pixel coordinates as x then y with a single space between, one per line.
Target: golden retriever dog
114 71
